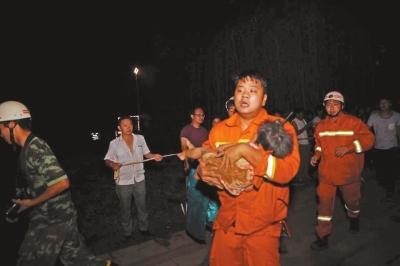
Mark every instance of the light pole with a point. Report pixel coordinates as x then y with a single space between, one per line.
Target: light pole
136 72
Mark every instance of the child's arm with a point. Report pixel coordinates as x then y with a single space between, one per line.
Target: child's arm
249 151
193 153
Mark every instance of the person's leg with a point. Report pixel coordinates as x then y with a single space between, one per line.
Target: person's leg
197 204
262 248
139 194
209 233
379 163
226 249
41 245
74 250
125 194
391 164
352 197
326 194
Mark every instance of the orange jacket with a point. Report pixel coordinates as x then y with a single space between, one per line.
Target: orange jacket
267 203
344 130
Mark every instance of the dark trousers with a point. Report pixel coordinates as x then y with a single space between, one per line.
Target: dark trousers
386 166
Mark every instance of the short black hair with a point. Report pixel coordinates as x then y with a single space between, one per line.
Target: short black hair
253 74
272 136
123 117
194 109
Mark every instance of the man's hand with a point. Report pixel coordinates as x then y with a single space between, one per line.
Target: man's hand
113 165
23 204
222 148
341 151
231 155
157 157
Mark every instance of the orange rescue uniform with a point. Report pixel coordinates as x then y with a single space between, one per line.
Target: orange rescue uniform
343 172
248 226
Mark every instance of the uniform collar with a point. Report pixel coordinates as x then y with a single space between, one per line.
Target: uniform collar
336 118
234 120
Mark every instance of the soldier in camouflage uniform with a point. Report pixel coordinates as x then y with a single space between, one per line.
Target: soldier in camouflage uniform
52 233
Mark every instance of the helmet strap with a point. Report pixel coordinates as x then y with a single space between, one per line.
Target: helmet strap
12 139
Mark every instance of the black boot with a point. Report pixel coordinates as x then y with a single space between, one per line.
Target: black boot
354 225
320 243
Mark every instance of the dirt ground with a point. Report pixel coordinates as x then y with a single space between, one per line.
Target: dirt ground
93 192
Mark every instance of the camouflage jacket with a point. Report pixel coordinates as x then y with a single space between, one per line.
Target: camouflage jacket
41 169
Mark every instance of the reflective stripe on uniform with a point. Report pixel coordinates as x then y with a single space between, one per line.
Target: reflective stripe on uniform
336 133
350 210
271 167
219 143
357 144
324 218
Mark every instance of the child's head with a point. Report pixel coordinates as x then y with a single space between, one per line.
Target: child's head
272 136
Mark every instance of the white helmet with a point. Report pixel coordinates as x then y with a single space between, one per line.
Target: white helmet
229 102
12 110
334 95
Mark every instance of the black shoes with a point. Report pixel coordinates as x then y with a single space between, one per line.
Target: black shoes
320 244
354 225
146 233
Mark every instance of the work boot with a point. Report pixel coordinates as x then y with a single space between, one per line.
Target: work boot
354 225
320 244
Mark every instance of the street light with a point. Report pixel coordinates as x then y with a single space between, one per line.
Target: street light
136 72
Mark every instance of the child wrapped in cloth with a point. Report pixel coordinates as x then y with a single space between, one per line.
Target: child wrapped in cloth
235 172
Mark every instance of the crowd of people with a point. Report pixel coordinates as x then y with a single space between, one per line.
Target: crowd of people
242 219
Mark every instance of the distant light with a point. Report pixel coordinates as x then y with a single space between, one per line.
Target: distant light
136 70
95 136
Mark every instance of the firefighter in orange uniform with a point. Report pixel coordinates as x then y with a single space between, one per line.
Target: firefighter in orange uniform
248 226
340 142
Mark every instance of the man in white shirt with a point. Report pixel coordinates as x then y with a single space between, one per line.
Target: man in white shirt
122 152
301 126
386 126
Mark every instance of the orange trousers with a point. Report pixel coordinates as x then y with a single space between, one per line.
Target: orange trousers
257 249
351 194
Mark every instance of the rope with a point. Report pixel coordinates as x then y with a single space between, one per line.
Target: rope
116 172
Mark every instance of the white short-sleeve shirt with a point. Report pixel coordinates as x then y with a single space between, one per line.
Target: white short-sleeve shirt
119 152
385 130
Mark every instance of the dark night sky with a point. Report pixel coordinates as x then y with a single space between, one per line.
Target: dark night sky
71 53
67 61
